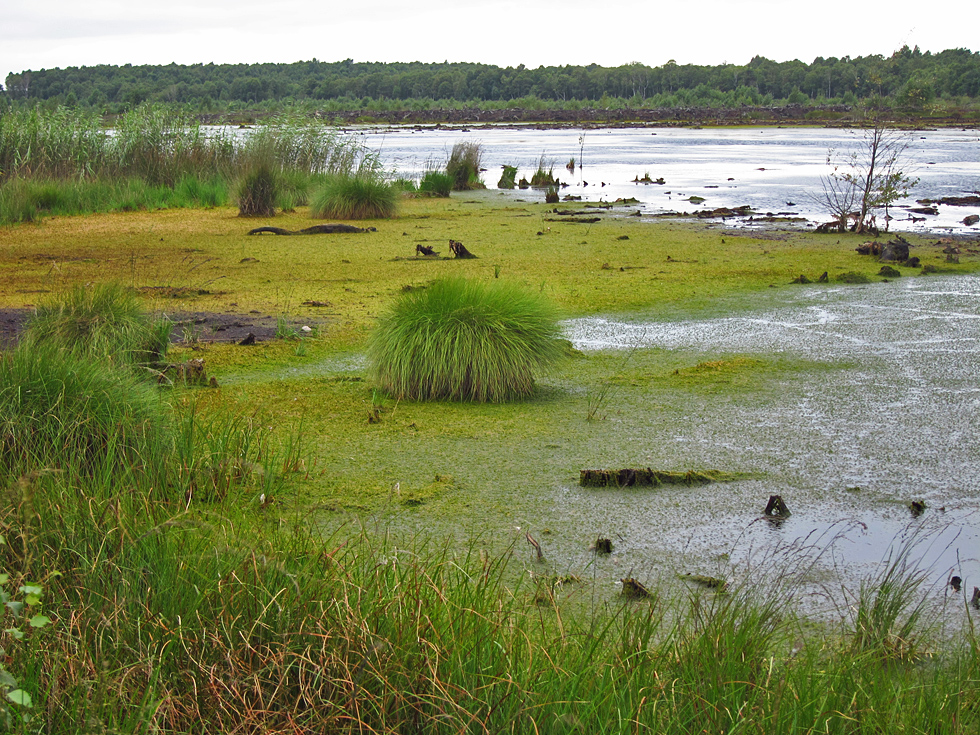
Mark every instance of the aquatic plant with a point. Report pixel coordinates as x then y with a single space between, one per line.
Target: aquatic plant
545 173
507 178
462 339
360 196
464 165
436 184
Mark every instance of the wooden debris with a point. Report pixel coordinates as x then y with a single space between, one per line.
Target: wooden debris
535 544
421 249
647 476
459 250
633 588
776 508
314 230
603 546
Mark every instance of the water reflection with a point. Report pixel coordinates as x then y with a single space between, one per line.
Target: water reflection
848 450
770 169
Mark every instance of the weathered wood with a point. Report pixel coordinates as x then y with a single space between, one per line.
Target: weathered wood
459 250
314 230
646 476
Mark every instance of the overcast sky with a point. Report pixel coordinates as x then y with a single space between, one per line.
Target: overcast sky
47 34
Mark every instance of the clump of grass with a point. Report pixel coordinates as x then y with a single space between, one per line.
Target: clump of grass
355 197
106 321
507 178
436 184
258 191
545 173
853 277
462 339
64 409
464 165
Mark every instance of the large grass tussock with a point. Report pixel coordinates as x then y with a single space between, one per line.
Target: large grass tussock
462 339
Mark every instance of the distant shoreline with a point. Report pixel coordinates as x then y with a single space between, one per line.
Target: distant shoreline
837 116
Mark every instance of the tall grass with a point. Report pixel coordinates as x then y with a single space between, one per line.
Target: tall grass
464 165
67 412
106 321
80 163
462 339
354 197
232 621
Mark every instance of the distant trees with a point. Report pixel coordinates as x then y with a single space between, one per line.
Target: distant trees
908 77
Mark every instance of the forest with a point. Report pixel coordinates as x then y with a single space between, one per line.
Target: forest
908 79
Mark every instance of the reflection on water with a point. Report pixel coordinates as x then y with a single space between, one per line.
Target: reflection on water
770 169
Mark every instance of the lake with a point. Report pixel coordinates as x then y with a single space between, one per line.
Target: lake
775 170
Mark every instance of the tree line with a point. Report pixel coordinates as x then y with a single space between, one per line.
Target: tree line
908 78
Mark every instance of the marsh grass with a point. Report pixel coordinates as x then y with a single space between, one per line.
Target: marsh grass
436 184
462 339
66 411
464 165
355 197
241 618
151 157
106 321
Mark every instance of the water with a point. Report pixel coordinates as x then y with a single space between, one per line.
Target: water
772 170
848 449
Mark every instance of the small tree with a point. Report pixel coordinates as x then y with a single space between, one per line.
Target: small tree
867 179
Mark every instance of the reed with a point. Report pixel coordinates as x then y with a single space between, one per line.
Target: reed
465 340
464 165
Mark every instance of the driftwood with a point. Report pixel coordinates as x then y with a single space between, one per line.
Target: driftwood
776 507
634 588
646 476
191 372
459 250
314 230
421 249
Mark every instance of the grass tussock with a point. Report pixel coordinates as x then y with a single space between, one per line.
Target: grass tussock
355 197
72 413
465 164
106 321
462 339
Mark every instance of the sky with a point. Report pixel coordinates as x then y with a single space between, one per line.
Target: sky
48 34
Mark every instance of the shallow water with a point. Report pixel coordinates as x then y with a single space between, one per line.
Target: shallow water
847 449
770 169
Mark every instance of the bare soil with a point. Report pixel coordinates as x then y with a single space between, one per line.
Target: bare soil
204 325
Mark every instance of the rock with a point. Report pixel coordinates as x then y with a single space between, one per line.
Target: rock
971 220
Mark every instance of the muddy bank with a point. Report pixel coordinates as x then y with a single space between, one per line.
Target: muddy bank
836 115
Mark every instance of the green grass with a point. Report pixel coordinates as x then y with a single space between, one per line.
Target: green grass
66 412
436 184
356 197
105 320
462 339
464 164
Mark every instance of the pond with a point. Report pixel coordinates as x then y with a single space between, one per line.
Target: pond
848 449
772 170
